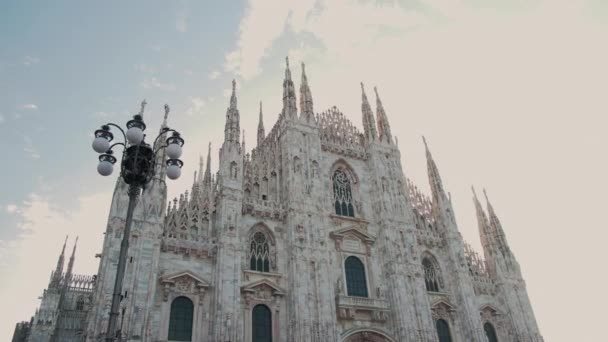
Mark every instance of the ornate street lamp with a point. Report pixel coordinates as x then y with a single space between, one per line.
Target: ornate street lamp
137 168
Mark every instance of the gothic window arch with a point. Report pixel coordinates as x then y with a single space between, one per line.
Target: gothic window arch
343 193
432 277
443 331
80 303
261 324
356 282
490 332
261 255
180 319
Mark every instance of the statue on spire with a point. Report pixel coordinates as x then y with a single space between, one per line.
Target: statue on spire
143 107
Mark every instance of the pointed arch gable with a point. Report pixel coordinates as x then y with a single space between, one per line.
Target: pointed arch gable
341 164
262 227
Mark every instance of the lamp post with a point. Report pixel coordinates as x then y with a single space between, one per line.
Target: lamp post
137 168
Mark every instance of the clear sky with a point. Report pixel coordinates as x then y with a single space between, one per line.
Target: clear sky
511 95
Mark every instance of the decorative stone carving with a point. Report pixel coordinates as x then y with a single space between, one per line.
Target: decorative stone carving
185 282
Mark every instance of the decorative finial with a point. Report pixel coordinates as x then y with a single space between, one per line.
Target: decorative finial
287 61
233 85
143 107
167 109
362 87
424 141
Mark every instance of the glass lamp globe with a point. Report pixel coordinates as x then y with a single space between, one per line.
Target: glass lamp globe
174 151
173 172
105 168
101 145
135 135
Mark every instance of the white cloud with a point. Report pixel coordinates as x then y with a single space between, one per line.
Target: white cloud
29 148
29 106
11 208
27 260
1 118
153 82
214 75
29 60
181 23
196 106
32 152
144 68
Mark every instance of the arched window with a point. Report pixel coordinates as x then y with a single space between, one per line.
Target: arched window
443 331
80 303
180 320
356 284
431 275
490 332
261 324
259 253
343 195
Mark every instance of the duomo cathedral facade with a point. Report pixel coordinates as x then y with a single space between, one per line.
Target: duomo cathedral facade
315 235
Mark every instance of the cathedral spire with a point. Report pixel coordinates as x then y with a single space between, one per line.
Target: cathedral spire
290 111
68 273
243 148
232 129
60 263
207 178
369 125
384 129
482 223
306 107
200 169
434 178
261 133
496 226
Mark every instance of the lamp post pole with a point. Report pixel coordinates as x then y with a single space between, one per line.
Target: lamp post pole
122 264
138 166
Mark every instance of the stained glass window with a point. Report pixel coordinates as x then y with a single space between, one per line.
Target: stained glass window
261 324
343 196
356 283
259 253
490 332
443 331
431 275
180 320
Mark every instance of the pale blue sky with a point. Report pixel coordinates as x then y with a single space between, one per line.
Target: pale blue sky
510 94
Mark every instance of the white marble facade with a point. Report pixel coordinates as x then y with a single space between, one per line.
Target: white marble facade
273 231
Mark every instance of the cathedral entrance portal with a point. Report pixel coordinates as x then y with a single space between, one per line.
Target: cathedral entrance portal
367 336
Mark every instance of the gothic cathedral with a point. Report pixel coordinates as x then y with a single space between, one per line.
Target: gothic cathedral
316 235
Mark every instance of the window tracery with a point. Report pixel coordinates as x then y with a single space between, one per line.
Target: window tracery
431 275
343 195
259 253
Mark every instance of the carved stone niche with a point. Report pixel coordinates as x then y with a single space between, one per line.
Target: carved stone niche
443 310
185 282
353 239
